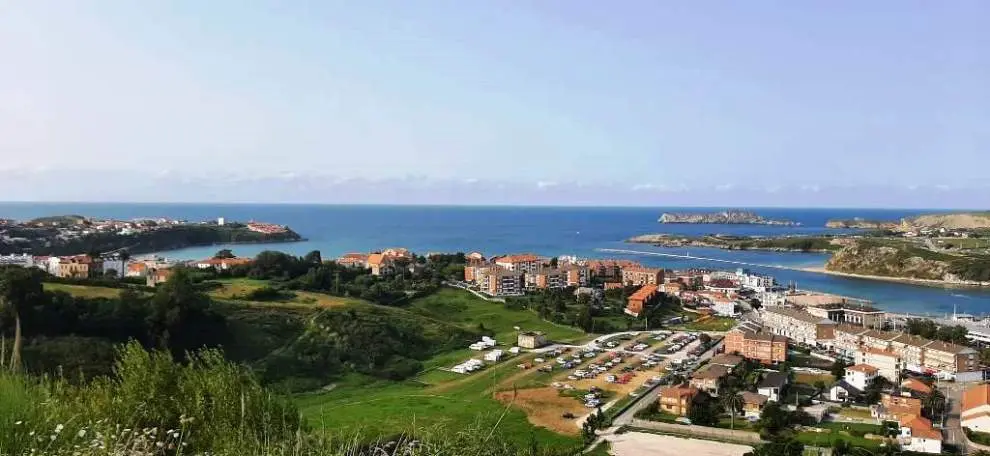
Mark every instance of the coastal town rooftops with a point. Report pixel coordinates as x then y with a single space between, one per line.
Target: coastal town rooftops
976 396
678 391
747 327
879 352
907 339
377 259
920 427
726 359
864 368
882 335
711 372
916 385
517 258
850 329
948 348
643 293
773 380
752 398
641 269
798 315
849 388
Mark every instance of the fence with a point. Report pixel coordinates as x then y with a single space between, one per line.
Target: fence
701 432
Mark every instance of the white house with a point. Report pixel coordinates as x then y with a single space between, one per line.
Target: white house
976 408
724 307
917 434
888 363
772 385
842 391
860 375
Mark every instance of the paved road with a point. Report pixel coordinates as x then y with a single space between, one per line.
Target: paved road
954 434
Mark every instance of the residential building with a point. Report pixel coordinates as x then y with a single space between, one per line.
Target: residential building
799 326
847 340
756 282
916 386
595 295
842 391
136 269
22 260
918 435
896 406
545 278
949 358
672 288
642 276
851 313
526 262
354 260
222 264
531 339
610 270
860 375
728 360
640 299
381 264
753 403
708 378
772 385
749 341
975 408
724 307
78 267
575 275
677 400
502 282
887 362
613 285
157 276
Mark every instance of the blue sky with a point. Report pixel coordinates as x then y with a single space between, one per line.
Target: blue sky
840 103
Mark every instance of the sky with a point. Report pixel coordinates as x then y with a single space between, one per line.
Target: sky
753 103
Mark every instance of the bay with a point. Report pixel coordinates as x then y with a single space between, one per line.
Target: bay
551 231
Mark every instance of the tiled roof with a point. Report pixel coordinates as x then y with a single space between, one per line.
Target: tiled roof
678 391
643 293
976 396
376 259
913 341
864 368
712 371
520 258
749 397
798 315
850 329
727 359
948 348
773 380
916 385
921 427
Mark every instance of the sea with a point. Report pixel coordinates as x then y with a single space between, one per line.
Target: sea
551 231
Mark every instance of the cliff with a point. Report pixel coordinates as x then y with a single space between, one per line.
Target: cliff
863 224
890 260
962 220
722 218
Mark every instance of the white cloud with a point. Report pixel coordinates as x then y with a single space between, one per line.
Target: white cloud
546 184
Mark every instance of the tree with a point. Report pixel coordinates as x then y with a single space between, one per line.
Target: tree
705 339
704 410
839 369
773 419
19 288
313 258
224 253
732 402
554 262
871 394
779 447
933 405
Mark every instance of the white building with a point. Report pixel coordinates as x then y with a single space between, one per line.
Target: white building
887 362
860 375
917 434
976 408
724 307
23 260
494 356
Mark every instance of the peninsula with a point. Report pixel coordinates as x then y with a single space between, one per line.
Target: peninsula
731 217
75 234
862 224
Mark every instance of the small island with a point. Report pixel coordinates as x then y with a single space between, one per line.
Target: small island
820 244
731 217
862 224
75 234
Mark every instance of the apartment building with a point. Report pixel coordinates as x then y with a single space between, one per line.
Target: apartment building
640 299
677 400
708 378
575 275
525 262
887 362
891 351
799 326
853 314
544 278
642 276
975 413
609 270
861 375
502 282
749 341
79 267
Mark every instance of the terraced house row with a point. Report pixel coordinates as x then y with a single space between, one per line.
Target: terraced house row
889 351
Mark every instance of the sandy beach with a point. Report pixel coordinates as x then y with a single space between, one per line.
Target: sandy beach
925 282
644 444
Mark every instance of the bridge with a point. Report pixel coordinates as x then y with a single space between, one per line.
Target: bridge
692 257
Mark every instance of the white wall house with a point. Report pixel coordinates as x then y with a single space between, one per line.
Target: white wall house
917 434
860 375
976 408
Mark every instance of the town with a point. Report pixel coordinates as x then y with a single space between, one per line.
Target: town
731 356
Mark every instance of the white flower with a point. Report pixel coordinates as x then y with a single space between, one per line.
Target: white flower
59 428
82 433
18 423
31 433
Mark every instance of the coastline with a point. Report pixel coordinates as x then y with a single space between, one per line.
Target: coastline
907 280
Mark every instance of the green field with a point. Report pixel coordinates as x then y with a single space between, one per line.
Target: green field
235 289
836 429
711 324
374 407
84 291
463 308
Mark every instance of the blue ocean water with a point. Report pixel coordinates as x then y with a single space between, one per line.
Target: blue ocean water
336 229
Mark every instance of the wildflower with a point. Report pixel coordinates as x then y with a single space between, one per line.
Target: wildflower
82 433
31 433
59 428
18 423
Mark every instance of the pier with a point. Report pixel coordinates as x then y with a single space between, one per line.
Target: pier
692 257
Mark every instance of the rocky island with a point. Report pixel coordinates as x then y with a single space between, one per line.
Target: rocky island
732 217
862 224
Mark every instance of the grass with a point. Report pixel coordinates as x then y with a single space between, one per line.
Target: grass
84 291
712 324
822 439
235 289
463 308
855 413
381 408
810 379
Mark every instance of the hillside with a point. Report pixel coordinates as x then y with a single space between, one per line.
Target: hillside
898 259
962 220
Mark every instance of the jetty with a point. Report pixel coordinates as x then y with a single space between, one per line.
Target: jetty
692 257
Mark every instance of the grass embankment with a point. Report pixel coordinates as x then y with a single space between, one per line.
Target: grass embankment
852 433
720 324
239 290
439 398
83 291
